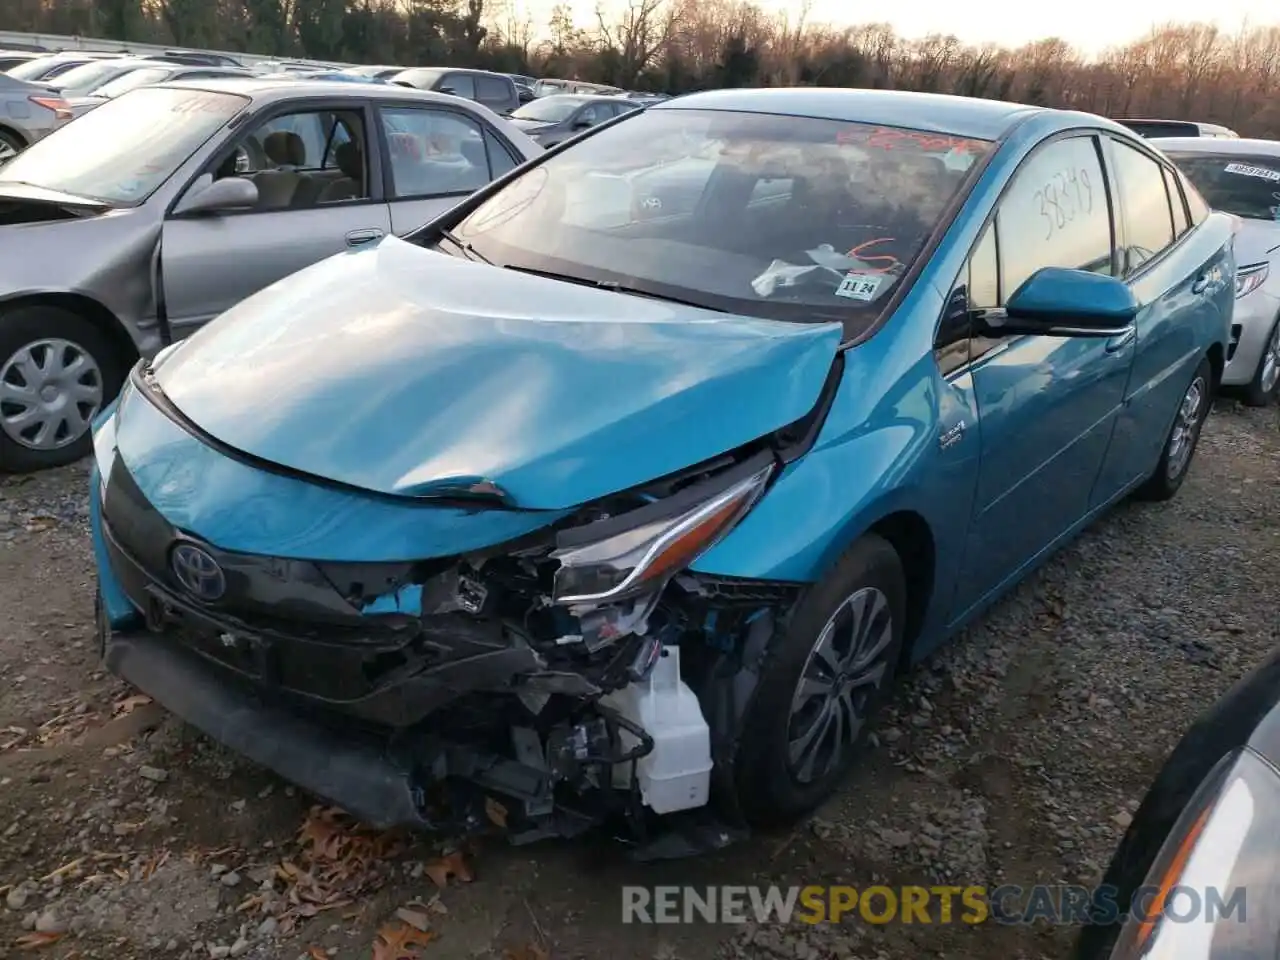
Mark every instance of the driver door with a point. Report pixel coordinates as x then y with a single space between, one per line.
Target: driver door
320 193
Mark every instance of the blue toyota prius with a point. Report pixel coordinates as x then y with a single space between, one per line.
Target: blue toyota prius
623 490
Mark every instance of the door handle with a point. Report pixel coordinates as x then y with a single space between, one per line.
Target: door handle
1116 344
1202 281
356 237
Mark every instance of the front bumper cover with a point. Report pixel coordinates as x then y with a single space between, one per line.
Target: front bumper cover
355 770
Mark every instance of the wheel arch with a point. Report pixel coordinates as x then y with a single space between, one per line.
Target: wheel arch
88 308
1217 363
911 537
15 133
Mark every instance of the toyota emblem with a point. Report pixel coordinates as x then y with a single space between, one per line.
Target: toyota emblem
198 572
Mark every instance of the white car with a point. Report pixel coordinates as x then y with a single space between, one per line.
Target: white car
1242 177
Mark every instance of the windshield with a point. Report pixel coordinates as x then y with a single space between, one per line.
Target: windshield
1248 187
85 77
134 78
784 217
126 148
548 109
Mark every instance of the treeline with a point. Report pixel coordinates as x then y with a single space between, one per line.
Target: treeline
1179 70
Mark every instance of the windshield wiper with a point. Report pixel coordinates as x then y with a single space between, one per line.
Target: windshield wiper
464 246
614 286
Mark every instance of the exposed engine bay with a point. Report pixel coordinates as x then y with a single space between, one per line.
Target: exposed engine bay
587 671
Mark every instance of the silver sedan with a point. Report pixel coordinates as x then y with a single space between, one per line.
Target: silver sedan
149 216
28 112
1242 177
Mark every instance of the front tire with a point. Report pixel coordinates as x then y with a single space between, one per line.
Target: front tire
1262 388
824 677
57 371
1180 445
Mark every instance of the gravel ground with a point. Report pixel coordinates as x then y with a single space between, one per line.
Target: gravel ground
1016 755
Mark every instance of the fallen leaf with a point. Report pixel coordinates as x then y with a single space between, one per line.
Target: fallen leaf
496 812
317 953
37 941
400 942
453 865
414 918
123 708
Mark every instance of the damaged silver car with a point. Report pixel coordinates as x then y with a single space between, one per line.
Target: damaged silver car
134 225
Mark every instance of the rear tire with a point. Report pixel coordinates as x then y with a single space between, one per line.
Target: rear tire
1184 435
799 742
57 371
1262 388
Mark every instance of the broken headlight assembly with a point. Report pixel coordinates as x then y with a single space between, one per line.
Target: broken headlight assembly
635 553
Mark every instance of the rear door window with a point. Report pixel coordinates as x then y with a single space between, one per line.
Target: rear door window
1144 199
461 84
434 152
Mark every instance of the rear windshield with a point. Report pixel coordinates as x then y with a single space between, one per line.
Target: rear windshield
1249 187
125 149
790 218
33 68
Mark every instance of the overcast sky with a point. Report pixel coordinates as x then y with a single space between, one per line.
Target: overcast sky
1089 24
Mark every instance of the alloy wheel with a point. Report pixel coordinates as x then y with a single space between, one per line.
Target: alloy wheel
1271 363
50 391
843 672
1185 424
7 150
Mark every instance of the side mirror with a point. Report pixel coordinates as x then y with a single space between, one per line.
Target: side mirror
1058 302
229 193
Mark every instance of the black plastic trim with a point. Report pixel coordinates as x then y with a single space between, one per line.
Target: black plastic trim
666 508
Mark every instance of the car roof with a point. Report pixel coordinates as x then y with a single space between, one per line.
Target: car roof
270 89
962 116
482 73
585 97
1216 145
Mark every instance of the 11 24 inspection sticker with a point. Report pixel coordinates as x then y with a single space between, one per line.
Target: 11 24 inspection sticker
859 286
1245 170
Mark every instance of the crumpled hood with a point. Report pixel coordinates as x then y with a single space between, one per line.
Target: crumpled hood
1255 241
407 371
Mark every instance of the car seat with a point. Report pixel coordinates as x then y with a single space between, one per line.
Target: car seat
276 187
351 187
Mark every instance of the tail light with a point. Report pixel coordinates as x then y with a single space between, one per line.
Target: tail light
61 109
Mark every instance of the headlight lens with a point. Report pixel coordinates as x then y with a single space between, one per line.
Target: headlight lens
639 558
1211 889
1250 278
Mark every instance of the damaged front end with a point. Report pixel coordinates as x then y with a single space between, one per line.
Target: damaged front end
579 675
